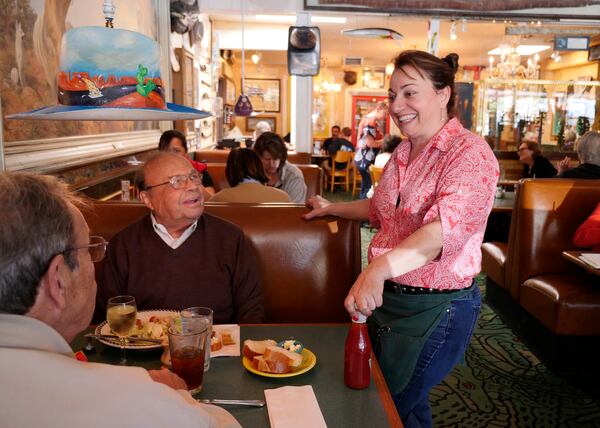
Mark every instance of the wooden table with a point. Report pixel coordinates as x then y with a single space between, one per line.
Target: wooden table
573 256
505 204
227 378
317 159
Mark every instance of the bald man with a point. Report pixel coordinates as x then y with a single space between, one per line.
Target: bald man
177 256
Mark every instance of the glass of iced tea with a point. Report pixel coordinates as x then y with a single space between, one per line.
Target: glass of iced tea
186 346
196 317
121 313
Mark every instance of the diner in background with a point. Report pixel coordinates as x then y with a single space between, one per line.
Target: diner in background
173 141
369 141
334 144
588 152
282 174
246 176
260 128
47 295
430 209
177 256
534 164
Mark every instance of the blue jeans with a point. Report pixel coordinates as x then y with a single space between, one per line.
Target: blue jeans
442 351
365 183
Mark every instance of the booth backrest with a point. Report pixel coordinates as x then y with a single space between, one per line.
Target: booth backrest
306 267
313 177
546 214
220 156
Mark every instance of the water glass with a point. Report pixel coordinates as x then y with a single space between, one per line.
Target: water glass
197 318
187 355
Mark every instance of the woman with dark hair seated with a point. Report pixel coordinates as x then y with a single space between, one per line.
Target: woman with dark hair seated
174 141
534 164
247 178
282 174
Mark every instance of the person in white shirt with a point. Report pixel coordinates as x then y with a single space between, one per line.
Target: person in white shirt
47 295
390 142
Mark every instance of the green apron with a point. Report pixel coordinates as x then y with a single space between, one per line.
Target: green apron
400 328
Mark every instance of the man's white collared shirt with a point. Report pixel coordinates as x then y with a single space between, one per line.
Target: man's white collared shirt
166 236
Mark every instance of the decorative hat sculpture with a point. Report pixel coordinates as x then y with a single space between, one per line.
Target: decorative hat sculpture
110 74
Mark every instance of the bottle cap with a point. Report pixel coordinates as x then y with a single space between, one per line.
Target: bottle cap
359 318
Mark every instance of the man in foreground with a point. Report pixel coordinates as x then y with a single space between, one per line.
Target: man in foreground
47 294
177 256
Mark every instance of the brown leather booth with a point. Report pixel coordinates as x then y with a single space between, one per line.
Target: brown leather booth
528 276
306 267
220 156
313 177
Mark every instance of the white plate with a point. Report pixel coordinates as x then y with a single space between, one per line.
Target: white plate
103 328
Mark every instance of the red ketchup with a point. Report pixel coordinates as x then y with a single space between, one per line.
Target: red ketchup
357 355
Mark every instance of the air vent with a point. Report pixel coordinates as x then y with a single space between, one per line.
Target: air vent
353 60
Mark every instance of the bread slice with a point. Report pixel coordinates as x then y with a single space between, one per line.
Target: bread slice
228 338
268 366
253 348
280 355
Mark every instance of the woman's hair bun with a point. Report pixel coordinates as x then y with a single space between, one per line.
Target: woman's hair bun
452 60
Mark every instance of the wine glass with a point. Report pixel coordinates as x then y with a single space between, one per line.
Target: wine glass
121 314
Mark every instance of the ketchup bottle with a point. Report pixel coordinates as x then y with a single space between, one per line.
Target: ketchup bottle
357 355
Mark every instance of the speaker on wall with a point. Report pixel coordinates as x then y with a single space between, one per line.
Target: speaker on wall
304 51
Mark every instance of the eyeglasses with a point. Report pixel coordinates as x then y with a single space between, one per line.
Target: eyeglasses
96 248
180 181
520 149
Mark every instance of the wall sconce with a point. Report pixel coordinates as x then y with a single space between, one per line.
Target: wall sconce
255 58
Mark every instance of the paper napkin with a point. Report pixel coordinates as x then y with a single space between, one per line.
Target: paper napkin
592 259
228 350
294 407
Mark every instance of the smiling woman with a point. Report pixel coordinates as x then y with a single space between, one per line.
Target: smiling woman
430 208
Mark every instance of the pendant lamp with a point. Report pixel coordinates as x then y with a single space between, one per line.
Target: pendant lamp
243 106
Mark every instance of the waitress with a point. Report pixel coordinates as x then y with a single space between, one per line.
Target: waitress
431 208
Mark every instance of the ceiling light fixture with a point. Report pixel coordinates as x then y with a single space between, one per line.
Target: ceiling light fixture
453 31
524 50
509 66
389 68
292 19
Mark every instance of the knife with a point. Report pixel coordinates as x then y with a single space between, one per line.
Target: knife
251 403
129 339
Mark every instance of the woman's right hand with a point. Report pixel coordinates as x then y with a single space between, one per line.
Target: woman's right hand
320 207
563 165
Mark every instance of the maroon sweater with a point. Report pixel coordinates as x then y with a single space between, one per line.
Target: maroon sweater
214 267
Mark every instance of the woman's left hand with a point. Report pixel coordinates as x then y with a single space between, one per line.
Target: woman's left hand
366 294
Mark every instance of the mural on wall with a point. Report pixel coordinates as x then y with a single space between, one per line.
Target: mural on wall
29 60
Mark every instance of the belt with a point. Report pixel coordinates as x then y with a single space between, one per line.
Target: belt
393 287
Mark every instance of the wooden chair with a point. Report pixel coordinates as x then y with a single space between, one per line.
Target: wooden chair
344 174
375 172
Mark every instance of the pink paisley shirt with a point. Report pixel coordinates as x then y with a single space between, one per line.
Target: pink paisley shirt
454 179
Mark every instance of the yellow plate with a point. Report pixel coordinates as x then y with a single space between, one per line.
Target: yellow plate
308 362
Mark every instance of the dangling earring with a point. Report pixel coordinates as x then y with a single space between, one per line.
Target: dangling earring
442 115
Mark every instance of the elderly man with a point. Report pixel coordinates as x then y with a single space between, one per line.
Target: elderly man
176 256
588 151
47 292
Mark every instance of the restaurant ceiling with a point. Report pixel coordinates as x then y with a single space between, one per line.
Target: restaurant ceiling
472 45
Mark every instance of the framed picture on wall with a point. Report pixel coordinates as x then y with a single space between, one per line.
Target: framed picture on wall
251 122
264 94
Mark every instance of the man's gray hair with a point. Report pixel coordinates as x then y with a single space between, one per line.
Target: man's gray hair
588 148
35 226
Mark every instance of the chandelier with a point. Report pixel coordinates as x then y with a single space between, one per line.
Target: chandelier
510 67
325 87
